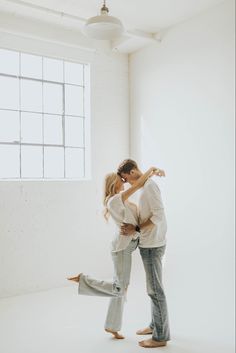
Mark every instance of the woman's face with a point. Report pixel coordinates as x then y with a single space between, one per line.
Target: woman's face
119 184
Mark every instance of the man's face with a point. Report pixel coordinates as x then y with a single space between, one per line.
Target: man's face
132 176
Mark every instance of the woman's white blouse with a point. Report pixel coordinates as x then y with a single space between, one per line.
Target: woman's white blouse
122 213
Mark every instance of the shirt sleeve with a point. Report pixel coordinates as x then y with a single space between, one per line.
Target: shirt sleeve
116 208
155 203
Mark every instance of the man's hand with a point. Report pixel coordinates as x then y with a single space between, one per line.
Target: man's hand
127 229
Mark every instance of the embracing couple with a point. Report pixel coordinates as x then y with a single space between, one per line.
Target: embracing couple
144 227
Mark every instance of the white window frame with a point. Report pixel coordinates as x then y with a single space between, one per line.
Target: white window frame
86 119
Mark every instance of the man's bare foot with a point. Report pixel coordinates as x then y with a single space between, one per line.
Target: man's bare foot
152 344
145 331
75 279
116 335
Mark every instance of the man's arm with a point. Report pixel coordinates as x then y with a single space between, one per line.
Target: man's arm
155 203
130 229
147 224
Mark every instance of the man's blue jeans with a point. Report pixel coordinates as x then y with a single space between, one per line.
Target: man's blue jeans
152 260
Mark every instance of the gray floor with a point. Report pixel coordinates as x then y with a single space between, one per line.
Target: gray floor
59 321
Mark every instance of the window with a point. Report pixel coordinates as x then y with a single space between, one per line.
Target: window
44 117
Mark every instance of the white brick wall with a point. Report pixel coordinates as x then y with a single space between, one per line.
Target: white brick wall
49 230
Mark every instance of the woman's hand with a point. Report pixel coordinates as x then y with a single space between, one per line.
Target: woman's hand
156 171
159 172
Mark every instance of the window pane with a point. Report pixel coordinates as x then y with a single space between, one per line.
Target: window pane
9 62
74 100
74 162
74 131
31 95
74 73
9 126
9 96
52 70
53 162
31 161
31 66
31 128
53 129
52 98
9 161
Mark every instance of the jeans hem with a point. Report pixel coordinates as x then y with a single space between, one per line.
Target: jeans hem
109 327
161 339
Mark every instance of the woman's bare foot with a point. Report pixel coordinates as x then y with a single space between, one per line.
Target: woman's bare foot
116 335
152 344
75 279
145 331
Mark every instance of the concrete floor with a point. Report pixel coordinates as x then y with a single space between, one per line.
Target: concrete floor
59 321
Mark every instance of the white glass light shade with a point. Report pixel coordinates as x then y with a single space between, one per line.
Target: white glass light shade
103 27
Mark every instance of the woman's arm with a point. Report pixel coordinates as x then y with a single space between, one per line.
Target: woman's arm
138 184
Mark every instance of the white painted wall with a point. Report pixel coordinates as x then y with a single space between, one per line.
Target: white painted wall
52 229
182 118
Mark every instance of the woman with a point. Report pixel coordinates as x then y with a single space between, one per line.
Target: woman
121 211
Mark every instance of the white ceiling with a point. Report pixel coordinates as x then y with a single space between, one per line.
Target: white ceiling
143 19
146 15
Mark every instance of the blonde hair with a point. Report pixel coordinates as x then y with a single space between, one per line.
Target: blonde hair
109 190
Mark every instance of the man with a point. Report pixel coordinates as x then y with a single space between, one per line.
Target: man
152 227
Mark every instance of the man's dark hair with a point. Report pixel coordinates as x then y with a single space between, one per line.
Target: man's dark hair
126 166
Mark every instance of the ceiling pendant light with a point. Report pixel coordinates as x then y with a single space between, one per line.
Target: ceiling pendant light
103 27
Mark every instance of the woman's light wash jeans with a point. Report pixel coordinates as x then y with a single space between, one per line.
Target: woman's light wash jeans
152 260
116 290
